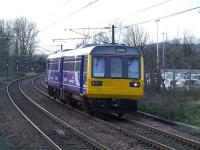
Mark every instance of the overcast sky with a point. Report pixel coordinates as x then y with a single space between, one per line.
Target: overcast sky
53 16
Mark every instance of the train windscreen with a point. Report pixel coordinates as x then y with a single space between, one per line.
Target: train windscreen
116 67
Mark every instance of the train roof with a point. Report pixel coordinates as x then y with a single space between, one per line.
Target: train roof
99 49
56 55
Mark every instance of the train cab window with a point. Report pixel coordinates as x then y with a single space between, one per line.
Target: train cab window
98 67
133 68
116 67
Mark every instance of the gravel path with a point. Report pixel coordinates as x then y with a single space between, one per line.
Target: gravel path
15 128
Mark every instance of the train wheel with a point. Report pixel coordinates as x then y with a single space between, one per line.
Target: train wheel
83 105
64 99
88 108
54 94
67 97
71 101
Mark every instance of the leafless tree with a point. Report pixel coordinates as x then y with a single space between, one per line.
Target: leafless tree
5 35
25 33
5 42
188 41
137 37
100 38
86 38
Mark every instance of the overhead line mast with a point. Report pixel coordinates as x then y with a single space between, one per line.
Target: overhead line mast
113 32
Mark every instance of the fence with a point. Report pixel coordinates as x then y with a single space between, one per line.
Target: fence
172 80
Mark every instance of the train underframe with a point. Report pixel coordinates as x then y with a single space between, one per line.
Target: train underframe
93 105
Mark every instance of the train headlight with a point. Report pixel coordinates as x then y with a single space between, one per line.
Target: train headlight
97 83
134 84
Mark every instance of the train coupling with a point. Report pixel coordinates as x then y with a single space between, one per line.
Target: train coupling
115 102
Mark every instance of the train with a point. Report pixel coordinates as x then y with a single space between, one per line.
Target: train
97 78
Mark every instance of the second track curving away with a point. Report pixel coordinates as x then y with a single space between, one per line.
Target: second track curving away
59 134
150 135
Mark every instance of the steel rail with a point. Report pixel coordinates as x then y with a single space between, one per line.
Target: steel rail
66 125
43 82
54 145
185 140
121 130
191 127
137 136
191 142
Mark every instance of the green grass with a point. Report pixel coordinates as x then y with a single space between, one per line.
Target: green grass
182 106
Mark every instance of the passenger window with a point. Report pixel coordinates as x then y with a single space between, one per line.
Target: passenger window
133 68
65 67
73 65
85 65
98 67
116 67
77 68
70 65
53 65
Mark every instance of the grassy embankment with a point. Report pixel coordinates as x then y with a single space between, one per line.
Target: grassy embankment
182 106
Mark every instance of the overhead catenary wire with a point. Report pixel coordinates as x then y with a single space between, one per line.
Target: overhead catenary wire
45 49
88 28
152 6
82 8
67 39
63 5
73 13
67 2
144 9
143 22
163 17
88 36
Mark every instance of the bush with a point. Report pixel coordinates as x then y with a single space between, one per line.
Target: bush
182 106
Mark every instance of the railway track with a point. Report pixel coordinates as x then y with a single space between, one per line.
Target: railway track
58 133
161 136
84 122
194 131
158 138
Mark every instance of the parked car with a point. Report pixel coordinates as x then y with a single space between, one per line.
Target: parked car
169 83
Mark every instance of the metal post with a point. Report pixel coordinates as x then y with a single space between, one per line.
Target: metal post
83 36
163 54
27 66
113 34
190 72
7 66
157 58
61 47
7 70
174 79
17 67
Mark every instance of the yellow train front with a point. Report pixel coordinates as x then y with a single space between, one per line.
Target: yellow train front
115 79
